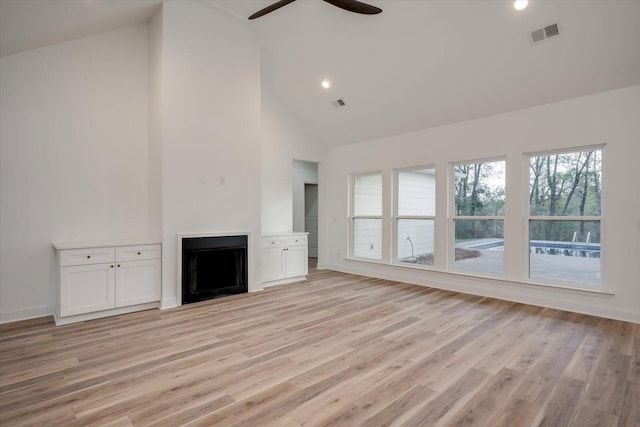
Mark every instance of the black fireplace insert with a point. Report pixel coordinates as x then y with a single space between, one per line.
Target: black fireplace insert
213 267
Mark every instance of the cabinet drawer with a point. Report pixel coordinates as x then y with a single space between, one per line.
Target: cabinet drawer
131 253
297 241
71 257
273 243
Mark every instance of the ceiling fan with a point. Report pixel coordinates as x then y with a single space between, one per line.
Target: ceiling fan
350 5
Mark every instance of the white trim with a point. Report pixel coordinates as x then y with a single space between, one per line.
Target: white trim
168 303
10 316
495 277
101 244
479 217
565 150
266 285
365 260
520 292
286 233
105 313
483 160
563 218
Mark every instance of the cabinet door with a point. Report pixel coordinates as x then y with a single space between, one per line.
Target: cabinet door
272 264
87 288
138 282
296 261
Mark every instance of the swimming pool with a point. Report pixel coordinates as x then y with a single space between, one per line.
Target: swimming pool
544 247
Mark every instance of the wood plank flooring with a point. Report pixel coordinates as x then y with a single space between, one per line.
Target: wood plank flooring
337 349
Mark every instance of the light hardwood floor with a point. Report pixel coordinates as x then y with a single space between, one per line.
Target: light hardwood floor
335 350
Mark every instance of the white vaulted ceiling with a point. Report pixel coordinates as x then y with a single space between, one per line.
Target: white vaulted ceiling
30 24
418 64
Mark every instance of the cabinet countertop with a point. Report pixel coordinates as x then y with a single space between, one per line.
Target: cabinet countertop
290 233
102 244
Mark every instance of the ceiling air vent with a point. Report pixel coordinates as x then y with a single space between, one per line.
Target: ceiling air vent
339 103
551 31
545 33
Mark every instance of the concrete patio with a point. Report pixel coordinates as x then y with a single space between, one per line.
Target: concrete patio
572 270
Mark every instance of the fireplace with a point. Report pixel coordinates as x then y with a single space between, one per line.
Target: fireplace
213 267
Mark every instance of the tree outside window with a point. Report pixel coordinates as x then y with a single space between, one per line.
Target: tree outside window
478 216
565 207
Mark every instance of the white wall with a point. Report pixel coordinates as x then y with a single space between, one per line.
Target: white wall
283 140
610 117
155 125
73 157
210 132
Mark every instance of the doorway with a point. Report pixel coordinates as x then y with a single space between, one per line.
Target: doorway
311 217
305 204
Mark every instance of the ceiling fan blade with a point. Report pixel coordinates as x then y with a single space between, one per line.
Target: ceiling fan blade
355 6
269 9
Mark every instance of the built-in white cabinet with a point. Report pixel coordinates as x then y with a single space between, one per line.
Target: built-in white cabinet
99 281
87 288
284 258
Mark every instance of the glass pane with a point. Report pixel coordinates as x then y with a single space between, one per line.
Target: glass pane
417 192
566 184
367 195
415 241
479 189
367 238
565 251
479 245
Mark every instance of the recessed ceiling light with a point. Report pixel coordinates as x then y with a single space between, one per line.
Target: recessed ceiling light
326 84
520 4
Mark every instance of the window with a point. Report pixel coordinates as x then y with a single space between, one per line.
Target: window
415 210
366 216
478 216
564 223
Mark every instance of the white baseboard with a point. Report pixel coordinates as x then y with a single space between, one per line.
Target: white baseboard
9 316
323 266
168 303
577 301
283 281
105 313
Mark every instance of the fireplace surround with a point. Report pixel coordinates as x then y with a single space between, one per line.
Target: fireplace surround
213 267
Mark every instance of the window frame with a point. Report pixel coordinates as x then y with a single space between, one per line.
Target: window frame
526 270
352 217
395 217
452 217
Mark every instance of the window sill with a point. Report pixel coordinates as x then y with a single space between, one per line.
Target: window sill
599 291
516 282
367 260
